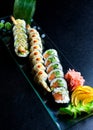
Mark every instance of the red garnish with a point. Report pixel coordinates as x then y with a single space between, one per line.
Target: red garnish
74 79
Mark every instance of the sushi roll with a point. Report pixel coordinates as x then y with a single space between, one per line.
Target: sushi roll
58 82
32 32
41 78
36 47
34 35
53 66
49 52
36 60
41 74
57 73
36 41
21 46
61 95
51 59
35 54
21 22
37 67
18 35
21 51
22 42
54 69
16 30
34 38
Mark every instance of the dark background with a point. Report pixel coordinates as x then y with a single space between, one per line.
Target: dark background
69 24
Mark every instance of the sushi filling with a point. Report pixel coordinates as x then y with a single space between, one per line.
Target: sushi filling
58 82
61 95
55 74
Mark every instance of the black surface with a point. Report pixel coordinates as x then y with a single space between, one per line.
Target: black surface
69 24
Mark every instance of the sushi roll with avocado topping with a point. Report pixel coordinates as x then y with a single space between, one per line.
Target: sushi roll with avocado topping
21 46
61 95
51 59
17 28
21 51
57 73
58 82
18 35
49 52
21 22
53 66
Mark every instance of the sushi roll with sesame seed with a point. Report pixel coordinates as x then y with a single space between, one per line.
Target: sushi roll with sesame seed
53 66
58 82
49 52
51 59
57 73
61 95
21 22
18 35
21 45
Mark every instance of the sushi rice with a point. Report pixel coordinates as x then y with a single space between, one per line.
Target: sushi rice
56 73
54 69
51 59
49 52
53 66
58 82
61 95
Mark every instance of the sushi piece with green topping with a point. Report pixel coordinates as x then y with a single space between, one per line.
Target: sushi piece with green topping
21 46
58 82
49 52
51 59
57 73
52 66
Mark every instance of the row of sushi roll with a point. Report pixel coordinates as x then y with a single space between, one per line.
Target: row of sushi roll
45 66
21 45
54 69
36 58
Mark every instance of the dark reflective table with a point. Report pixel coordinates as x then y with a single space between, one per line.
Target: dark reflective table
69 24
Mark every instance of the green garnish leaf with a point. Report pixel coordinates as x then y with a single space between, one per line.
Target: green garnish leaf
77 110
8 25
1 25
24 9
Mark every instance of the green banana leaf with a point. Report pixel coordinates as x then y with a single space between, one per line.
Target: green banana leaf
24 9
